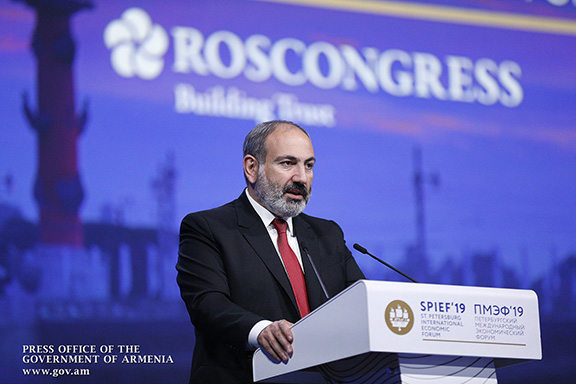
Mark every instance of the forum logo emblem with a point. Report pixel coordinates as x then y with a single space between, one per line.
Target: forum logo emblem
138 46
399 317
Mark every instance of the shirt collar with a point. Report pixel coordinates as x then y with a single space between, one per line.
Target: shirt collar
265 215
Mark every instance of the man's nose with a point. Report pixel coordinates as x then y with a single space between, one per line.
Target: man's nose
300 174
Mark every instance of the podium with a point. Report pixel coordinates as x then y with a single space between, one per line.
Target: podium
391 332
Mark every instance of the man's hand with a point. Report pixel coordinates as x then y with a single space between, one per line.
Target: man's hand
277 339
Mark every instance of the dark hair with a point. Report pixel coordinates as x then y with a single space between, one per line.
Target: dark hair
255 141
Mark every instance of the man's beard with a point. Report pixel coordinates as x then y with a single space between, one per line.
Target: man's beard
271 195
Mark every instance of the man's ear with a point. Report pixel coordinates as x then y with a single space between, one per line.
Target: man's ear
251 168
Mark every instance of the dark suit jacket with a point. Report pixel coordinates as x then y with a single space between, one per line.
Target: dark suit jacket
231 277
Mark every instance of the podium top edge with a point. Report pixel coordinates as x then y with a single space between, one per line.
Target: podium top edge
372 283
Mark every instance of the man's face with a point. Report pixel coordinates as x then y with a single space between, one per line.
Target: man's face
284 181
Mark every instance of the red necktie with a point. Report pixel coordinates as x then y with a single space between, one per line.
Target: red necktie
292 267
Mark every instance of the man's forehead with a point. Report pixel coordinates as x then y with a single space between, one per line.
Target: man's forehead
290 142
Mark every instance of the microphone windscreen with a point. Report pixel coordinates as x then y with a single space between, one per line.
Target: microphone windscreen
360 248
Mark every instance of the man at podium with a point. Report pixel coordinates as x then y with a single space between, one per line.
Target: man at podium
249 269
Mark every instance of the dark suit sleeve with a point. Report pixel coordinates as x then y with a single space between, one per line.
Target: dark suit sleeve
204 284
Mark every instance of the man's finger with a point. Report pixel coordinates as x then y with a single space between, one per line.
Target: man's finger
276 339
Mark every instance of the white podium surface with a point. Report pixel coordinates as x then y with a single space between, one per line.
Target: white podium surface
408 318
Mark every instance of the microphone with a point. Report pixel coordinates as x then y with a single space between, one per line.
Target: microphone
360 248
315 271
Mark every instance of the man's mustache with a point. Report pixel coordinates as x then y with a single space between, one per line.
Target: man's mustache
296 187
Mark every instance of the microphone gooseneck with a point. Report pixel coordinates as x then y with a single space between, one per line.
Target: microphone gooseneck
315 271
361 249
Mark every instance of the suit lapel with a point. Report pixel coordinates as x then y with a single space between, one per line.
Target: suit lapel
256 235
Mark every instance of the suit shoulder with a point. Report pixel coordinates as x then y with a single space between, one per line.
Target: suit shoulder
317 222
224 212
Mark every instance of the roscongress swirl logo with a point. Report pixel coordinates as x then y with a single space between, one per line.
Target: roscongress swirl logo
138 46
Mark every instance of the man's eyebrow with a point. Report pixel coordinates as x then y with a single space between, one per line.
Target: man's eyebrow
293 158
285 157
